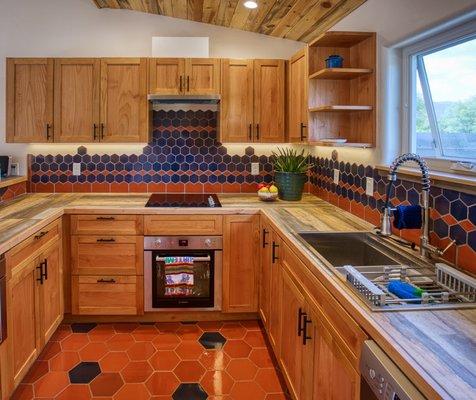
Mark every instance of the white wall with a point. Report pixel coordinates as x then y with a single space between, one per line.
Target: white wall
394 21
76 28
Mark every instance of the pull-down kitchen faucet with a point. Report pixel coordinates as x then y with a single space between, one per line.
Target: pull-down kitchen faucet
386 229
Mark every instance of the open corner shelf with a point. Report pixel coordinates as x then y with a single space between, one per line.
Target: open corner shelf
340 108
340 73
340 39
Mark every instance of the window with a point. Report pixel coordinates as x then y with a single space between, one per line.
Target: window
440 95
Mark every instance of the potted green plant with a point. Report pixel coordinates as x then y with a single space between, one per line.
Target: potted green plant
290 173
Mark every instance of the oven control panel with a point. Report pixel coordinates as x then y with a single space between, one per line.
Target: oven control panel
183 242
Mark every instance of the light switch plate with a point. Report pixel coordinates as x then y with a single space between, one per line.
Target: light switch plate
369 186
254 168
336 176
76 169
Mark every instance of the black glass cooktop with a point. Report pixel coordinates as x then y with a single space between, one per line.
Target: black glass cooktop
183 200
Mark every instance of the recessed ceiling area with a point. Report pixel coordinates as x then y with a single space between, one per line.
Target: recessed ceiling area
301 20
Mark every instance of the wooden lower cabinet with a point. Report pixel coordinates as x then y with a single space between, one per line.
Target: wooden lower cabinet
240 263
264 295
275 297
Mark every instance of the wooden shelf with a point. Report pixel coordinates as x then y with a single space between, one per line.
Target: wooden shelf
347 144
339 108
340 39
340 73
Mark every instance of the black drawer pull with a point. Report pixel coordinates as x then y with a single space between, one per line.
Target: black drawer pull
41 234
265 243
301 314
110 240
105 218
274 257
106 280
305 336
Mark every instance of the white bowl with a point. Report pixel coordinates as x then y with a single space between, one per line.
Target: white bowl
267 196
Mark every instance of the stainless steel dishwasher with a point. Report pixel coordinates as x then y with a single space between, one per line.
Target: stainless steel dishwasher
3 299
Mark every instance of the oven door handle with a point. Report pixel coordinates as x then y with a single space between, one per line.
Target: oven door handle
198 259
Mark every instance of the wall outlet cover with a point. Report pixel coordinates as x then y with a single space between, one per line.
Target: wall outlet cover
76 169
254 168
369 186
336 176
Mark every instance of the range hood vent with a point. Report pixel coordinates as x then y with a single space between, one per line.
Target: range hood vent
184 102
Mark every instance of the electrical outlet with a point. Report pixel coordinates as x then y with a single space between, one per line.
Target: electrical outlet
369 186
336 176
254 168
76 169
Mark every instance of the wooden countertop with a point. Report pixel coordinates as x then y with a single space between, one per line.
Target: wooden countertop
12 180
436 349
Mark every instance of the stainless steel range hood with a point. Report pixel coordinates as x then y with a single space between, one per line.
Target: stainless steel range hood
184 102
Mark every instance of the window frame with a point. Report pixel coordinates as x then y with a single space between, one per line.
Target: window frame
410 65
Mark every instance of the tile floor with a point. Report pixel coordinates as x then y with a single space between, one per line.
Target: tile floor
179 361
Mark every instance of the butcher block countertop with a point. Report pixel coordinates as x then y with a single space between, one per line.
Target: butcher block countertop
436 349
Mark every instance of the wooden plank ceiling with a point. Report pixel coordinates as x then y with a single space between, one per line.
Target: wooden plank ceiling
301 20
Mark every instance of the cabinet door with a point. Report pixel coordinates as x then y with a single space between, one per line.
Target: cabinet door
240 263
265 273
51 291
76 100
269 107
23 311
202 76
274 325
297 97
166 75
291 336
124 106
237 101
29 108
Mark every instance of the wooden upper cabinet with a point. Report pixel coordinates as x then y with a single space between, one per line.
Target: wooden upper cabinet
236 113
123 94
29 96
269 103
298 97
166 75
76 94
202 76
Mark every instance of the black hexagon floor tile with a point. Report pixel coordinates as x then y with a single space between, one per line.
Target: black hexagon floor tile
84 372
190 391
83 327
212 340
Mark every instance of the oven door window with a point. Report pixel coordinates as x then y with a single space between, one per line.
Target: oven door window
182 285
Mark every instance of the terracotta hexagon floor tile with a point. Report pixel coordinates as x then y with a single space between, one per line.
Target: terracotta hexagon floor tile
23 392
106 384
166 341
135 391
120 342
268 379
64 361
126 327
51 384
145 333
61 333
237 348
233 330
217 383
101 333
248 391
189 371
242 369
214 360
164 360
261 358
214 326
50 350
276 396
189 332
76 341
37 370
168 327
255 339
114 361
252 325
137 372
75 392
189 350
93 352
141 351
162 383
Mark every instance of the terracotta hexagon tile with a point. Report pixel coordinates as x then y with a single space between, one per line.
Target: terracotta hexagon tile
268 379
248 391
214 360
145 333
189 332
237 348
114 361
189 350
276 396
126 327
166 341
106 384
51 384
23 392
217 383
251 325
120 342
189 371
162 383
37 370
135 391
75 392
101 333
64 361
242 369
50 350
141 351
165 327
76 341
214 326
255 339
93 352
261 358
61 333
233 330
136 372
164 360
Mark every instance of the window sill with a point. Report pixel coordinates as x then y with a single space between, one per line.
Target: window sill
465 183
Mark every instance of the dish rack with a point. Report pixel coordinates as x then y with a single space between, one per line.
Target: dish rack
445 287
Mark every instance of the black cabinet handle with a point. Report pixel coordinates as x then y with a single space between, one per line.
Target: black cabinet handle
48 128
274 257
302 132
257 131
95 136
40 279
41 234
106 281
301 314
305 336
43 267
110 240
250 134
181 83
265 243
188 83
102 131
105 218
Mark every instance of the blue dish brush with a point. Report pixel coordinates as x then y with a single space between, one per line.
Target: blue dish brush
404 290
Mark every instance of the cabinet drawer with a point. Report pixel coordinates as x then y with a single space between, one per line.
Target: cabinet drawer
183 225
107 295
32 246
119 255
106 224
